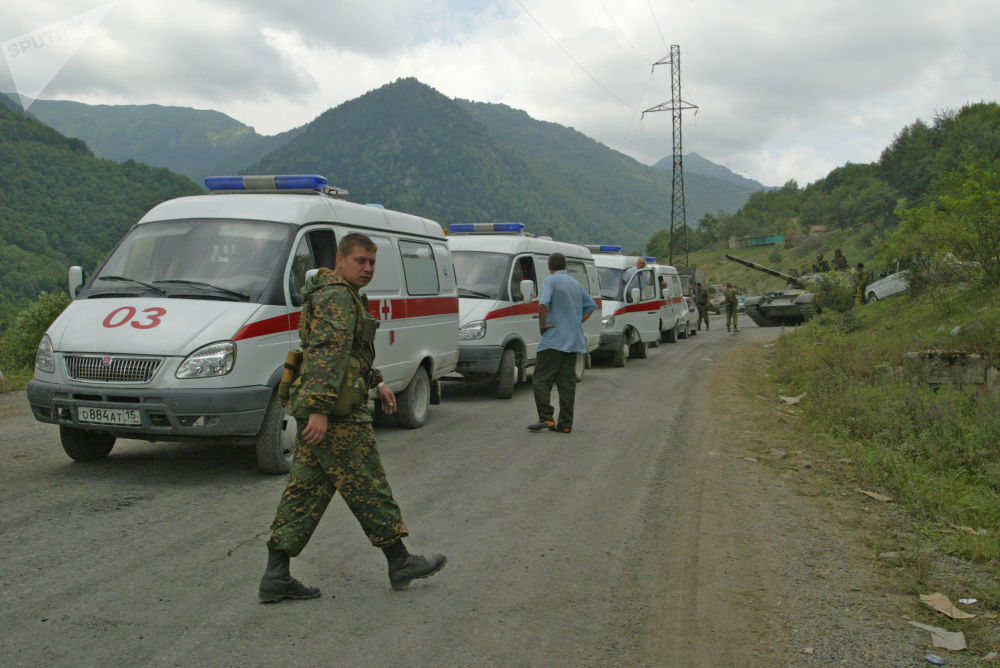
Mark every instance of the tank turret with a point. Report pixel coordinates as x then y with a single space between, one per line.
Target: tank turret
791 306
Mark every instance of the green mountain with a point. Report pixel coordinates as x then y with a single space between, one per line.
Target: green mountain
696 164
410 148
59 206
194 142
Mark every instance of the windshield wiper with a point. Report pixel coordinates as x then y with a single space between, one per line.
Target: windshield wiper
201 284
125 279
473 293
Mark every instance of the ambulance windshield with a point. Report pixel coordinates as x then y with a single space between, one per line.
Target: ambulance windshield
611 283
212 259
481 275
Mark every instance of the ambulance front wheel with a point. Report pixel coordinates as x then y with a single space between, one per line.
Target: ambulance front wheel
413 403
580 365
83 445
619 356
275 442
507 374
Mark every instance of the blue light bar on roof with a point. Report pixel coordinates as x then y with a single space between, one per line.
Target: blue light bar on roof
485 228
650 259
603 248
270 182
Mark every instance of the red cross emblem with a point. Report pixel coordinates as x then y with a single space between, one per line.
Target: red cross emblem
386 310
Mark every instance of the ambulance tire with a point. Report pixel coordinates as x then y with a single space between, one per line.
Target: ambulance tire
83 445
435 392
507 374
413 403
670 335
638 350
580 367
588 361
619 356
275 442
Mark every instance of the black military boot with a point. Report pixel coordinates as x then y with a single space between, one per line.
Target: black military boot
278 584
405 567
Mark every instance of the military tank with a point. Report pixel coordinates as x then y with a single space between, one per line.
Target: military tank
791 306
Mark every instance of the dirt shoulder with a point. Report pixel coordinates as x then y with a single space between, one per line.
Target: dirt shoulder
781 564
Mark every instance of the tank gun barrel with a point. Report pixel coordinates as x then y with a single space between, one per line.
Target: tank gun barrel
793 280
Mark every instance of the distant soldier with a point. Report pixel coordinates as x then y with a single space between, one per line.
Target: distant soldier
701 302
839 261
861 280
821 264
732 305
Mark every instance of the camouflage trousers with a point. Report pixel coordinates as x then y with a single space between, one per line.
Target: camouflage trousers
346 461
732 315
702 315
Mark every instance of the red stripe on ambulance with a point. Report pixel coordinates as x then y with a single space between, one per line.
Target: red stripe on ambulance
398 309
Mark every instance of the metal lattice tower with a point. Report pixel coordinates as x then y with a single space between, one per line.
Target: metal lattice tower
676 106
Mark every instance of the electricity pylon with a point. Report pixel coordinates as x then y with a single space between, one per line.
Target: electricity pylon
676 106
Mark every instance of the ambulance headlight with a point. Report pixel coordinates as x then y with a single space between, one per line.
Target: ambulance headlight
474 330
45 356
608 323
215 359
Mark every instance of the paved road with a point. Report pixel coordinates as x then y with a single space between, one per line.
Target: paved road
152 556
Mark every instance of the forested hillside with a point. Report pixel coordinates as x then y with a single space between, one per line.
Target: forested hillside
194 142
59 206
410 148
911 172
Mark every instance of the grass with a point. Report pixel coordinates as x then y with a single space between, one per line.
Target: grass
935 452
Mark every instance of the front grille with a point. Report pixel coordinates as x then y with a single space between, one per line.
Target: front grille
111 368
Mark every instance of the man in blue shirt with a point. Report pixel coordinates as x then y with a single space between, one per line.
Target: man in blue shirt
563 307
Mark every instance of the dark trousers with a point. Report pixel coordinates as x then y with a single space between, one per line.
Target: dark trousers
555 366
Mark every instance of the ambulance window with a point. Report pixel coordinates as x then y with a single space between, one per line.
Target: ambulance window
611 283
302 261
524 270
419 268
579 272
386 279
647 286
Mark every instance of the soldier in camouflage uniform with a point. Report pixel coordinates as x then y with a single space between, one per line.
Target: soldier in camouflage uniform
335 449
732 306
701 302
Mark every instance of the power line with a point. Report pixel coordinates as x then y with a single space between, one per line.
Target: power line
624 37
656 23
574 60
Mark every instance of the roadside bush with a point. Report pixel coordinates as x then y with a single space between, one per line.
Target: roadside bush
834 291
19 343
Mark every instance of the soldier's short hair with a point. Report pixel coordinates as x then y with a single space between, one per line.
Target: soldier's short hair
350 241
557 262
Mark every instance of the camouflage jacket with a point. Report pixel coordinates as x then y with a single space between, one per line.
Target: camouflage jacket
329 328
701 298
730 296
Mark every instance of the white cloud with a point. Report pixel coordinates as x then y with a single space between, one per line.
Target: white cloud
784 90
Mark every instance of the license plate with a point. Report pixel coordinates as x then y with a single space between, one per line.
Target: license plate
108 415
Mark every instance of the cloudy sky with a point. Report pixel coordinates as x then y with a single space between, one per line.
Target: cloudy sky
784 90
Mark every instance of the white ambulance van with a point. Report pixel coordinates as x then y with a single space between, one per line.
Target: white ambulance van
500 270
630 304
182 333
673 310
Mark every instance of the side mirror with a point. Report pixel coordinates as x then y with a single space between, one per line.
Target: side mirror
634 295
527 290
75 280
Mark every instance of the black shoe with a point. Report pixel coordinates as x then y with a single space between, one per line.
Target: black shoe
540 425
277 584
413 567
561 430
